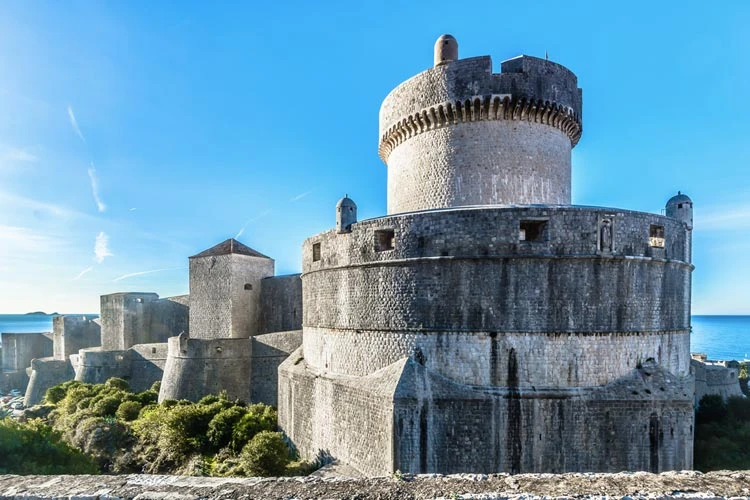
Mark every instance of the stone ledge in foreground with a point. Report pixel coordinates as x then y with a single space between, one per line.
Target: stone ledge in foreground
685 484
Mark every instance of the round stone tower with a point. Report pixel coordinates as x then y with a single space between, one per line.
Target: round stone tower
485 324
459 135
346 214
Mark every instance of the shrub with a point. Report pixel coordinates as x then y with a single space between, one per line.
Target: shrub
258 418
221 426
265 455
156 386
34 448
54 394
128 411
107 406
117 383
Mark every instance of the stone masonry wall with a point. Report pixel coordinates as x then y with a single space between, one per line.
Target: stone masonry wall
280 304
73 333
225 295
269 351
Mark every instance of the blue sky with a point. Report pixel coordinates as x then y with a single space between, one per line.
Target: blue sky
134 134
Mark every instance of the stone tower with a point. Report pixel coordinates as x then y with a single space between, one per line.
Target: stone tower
224 289
485 324
459 135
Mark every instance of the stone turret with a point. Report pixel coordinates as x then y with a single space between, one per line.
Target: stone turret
680 207
346 214
459 135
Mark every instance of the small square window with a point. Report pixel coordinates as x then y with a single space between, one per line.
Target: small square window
316 252
532 230
248 286
656 236
385 239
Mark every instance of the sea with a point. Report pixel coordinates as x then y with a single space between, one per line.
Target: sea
720 337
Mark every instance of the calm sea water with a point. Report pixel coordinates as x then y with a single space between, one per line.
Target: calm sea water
721 337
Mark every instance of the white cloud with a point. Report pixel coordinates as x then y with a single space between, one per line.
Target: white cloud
15 154
80 275
132 209
301 195
262 214
723 217
74 124
101 247
141 273
95 189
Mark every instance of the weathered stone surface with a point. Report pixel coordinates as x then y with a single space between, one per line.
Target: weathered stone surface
684 485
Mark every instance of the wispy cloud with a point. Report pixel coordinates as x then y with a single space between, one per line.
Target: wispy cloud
80 275
301 195
95 188
132 209
74 124
260 215
18 155
101 247
141 273
723 217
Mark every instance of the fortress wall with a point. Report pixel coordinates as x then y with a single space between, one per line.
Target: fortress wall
20 348
325 418
198 367
96 365
165 318
494 232
46 373
124 321
481 358
418 421
269 351
147 363
224 295
280 304
713 379
73 333
478 163
548 294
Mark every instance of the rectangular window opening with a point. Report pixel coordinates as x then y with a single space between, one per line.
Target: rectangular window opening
532 230
316 252
656 236
385 239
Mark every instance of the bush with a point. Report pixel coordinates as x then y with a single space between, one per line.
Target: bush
117 383
34 448
156 386
54 394
265 455
259 418
128 411
221 426
107 406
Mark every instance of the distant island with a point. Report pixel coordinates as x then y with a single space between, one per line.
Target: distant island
41 313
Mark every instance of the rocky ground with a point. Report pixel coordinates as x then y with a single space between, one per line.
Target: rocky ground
725 484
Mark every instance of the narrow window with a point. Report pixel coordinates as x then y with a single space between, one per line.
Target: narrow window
385 239
316 252
248 286
531 230
656 236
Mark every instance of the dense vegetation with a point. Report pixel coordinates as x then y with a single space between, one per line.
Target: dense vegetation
722 434
122 432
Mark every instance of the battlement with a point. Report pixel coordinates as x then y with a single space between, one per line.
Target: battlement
444 94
